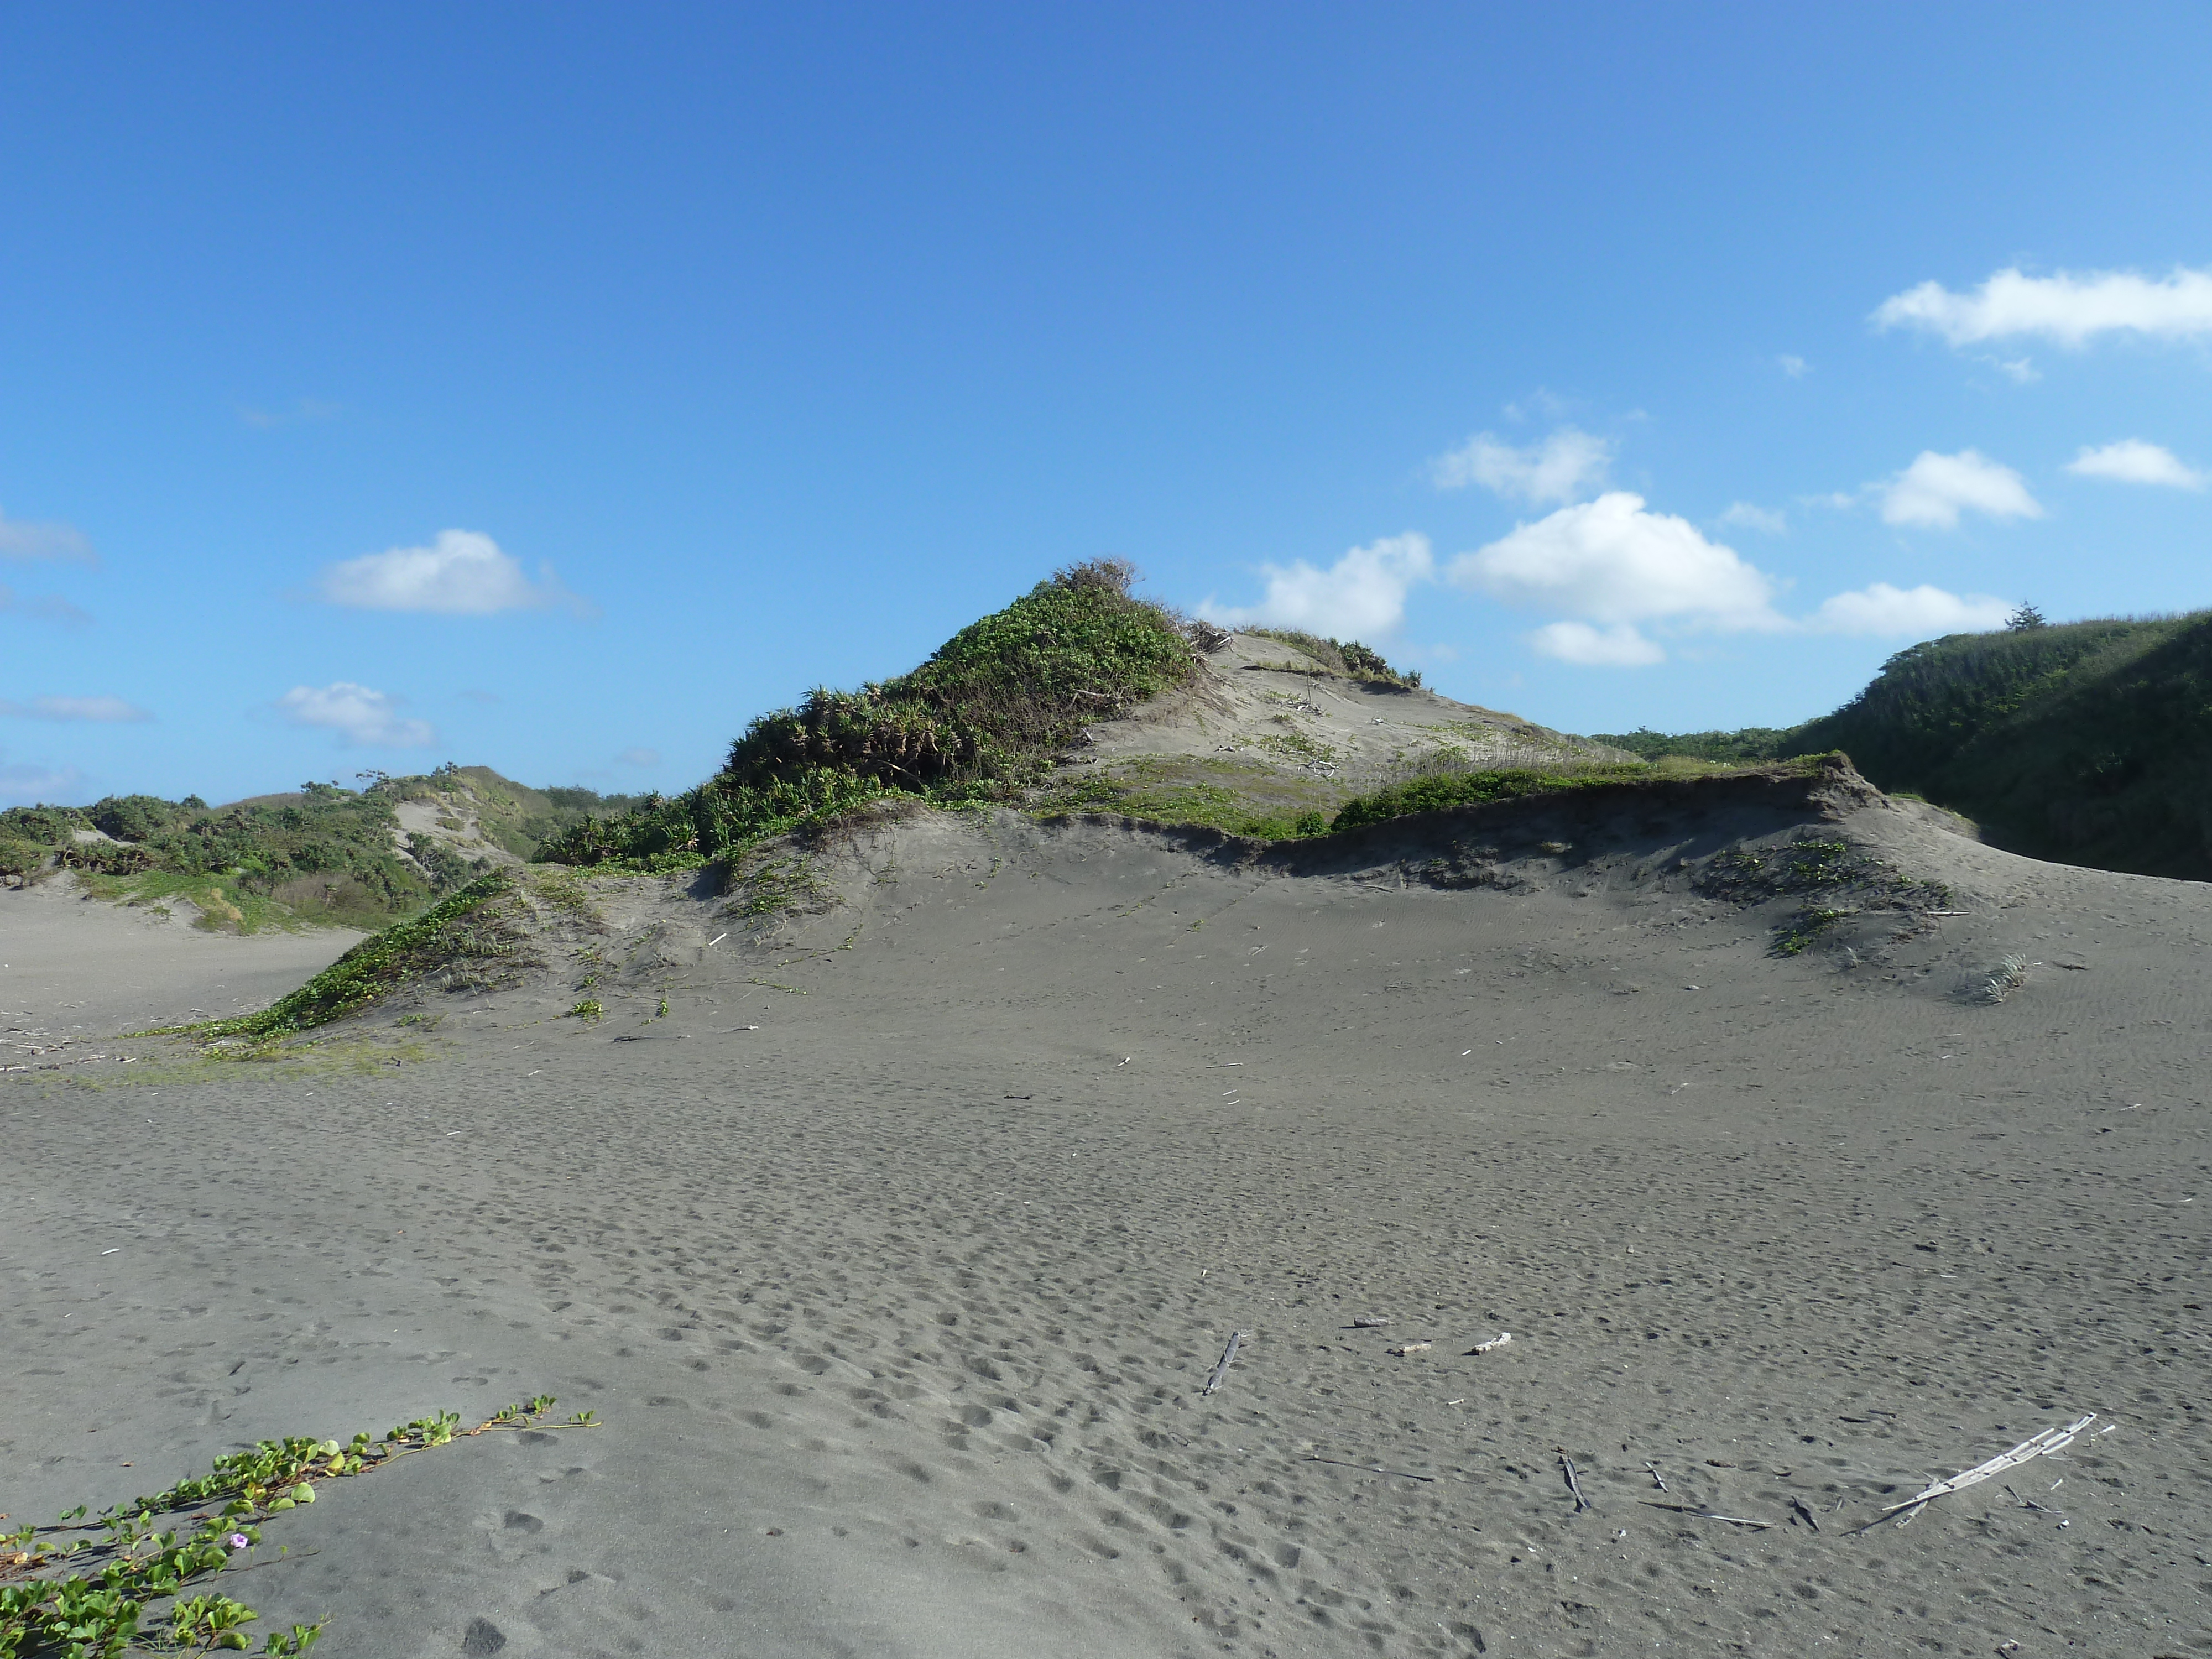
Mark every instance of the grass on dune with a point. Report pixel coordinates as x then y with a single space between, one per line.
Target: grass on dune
979 721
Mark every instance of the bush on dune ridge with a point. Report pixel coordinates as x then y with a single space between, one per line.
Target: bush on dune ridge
2083 742
979 721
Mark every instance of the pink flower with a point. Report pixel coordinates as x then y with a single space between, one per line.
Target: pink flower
237 1540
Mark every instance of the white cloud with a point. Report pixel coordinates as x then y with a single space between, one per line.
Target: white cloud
356 714
2069 309
1618 646
2133 461
461 574
1610 561
104 709
1361 596
46 607
20 539
1795 368
1922 612
1936 489
1744 515
1567 464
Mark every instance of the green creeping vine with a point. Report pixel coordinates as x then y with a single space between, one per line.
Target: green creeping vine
448 932
86 1599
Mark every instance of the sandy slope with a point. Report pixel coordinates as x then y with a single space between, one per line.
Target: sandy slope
897 1254
72 969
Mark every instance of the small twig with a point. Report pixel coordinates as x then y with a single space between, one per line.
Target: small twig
1222 1369
1574 1485
1658 1479
1697 1514
1805 1514
1372 1468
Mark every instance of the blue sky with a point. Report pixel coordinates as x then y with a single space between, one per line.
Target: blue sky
557 387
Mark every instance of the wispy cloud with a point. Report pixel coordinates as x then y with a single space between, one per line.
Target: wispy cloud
42 607
300 412
1587 647
105 710
2132 460
1564 466
462 573
24 538
1742 515
356 714
1795 368
2069 309
1919 612
1361 596
1937 489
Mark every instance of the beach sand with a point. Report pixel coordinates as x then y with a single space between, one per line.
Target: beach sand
896 1256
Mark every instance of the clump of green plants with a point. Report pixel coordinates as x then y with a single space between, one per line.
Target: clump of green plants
468 938
589 1008
1348 657
2002 981
87 1588
1833 880
1749 746
1213 792
1438 790
979 721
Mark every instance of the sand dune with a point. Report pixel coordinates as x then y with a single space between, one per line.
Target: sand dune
897 1254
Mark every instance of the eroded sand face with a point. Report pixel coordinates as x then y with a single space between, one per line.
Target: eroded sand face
898 1295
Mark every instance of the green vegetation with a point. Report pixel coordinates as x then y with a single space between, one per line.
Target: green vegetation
2082 742
322 855
468 938
1213 791
88 1598
1748 747
1348 657
1832 881
1437 790
979 721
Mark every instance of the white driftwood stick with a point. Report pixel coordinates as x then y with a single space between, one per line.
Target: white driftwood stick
1574 1483
1222 1369
2035 1446
1368 1321
1497 1341
1410 1347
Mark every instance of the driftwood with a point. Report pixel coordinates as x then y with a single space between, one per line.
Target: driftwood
1222 1369
1658 1479
1574 1483
1402 1350
1368 1321
1697 1514
1497 1341
2035 1446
